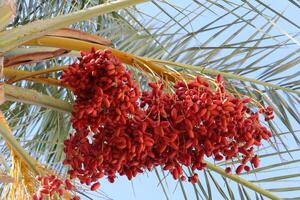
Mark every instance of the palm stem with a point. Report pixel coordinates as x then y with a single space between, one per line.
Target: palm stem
6 133
147 64
79 45
48 81
13 93
225 74
18 75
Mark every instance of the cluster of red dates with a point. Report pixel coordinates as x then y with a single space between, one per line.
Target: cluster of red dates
119 129
50 185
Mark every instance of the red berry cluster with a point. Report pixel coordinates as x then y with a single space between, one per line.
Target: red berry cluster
198 121
104 90
106 118
120 130
51 185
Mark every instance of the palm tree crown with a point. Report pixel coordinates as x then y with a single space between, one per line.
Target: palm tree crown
252 44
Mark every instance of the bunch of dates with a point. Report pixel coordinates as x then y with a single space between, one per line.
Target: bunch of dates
51 186
119 129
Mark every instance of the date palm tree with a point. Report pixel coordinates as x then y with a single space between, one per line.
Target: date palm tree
253 45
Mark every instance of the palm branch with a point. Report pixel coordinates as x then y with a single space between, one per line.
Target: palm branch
253 45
